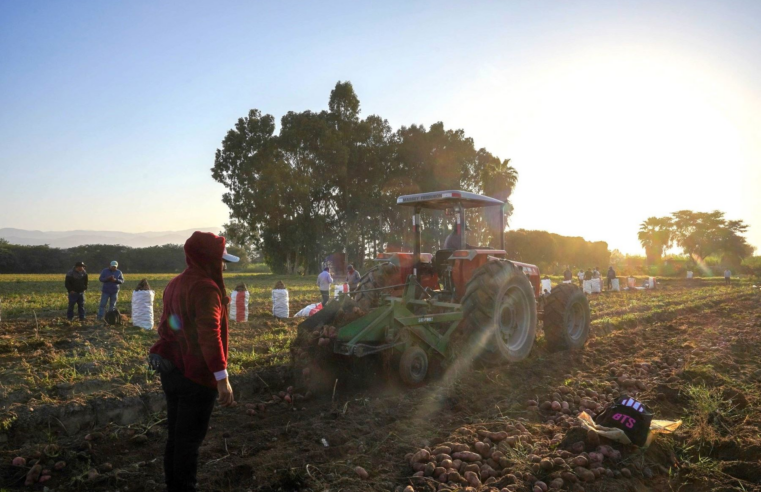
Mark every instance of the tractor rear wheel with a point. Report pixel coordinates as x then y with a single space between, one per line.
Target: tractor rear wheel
500 307
380 276
566 318
413 366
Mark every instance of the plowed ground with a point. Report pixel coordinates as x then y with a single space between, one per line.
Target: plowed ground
694 352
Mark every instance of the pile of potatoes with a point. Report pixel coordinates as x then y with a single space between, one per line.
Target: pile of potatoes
514 459
324 336
566 402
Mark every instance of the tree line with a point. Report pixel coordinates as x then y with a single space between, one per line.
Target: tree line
328 181
168 258
552 253
700 235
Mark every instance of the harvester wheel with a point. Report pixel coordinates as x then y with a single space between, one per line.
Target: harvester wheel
413 366
500 306
380 276
566 318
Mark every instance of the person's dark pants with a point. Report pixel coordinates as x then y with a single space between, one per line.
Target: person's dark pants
325 297
188 408
610 284
726 280
77 298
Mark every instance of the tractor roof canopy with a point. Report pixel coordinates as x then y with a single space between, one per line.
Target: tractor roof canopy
441 200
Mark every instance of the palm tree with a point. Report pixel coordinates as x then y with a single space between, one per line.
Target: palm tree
656 235
499 179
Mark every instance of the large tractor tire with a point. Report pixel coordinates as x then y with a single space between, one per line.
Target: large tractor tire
368 295
500 307
566 318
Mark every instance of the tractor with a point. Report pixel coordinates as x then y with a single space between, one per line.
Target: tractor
413 307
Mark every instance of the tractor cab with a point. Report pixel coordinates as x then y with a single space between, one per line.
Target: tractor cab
447 271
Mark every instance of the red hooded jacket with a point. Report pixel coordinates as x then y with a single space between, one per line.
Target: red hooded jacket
193 327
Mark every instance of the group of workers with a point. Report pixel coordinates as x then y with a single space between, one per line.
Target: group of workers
590 274
76 285
324 281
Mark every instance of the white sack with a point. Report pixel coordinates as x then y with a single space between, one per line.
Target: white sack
280 303
305 312
631 282
614 285
596 285
240 316
651 283
567 281
546 285
587 286
142 308
339 289
689 274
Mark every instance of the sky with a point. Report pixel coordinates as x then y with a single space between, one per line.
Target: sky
612 112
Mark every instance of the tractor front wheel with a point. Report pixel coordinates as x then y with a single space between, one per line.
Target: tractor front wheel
500 307
413 366
566 318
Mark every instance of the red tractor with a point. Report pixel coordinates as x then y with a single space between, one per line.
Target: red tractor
474 297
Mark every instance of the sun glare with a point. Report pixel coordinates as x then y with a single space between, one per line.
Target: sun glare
654 126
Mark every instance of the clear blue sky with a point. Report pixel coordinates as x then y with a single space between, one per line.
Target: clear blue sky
110 112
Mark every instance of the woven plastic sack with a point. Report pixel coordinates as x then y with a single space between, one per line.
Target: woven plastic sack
305 312
239 306
142 308
280 303
615 285
587 286
596 285
339 289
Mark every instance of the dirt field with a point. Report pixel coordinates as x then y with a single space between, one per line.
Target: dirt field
81 394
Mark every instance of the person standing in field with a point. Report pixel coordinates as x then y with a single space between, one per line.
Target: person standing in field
567 275
588 274
191 355
352 278
323 283
112 279
727 276
580 276
611 276
76 285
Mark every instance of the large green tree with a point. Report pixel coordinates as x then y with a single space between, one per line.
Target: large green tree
328 182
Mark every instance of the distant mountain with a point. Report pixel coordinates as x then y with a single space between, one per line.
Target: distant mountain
69 239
